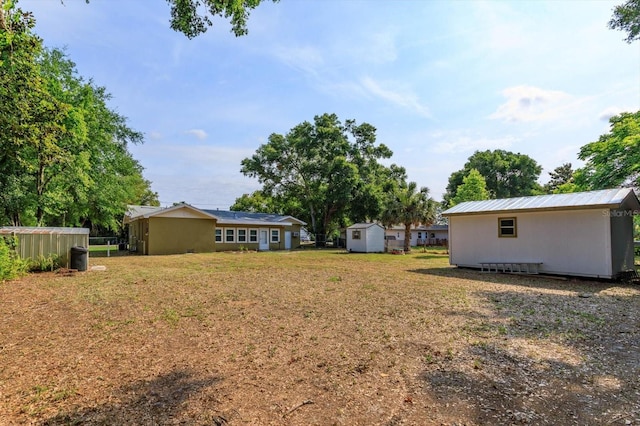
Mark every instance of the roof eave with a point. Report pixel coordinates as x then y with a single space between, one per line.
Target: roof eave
538 209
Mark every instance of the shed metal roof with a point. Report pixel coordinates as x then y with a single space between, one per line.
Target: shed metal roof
364 225
606 198
46 230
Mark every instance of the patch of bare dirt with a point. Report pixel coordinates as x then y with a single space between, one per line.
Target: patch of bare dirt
315 338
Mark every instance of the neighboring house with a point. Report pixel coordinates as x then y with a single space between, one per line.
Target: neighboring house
587 234
432 235
187 229
365 238
305 235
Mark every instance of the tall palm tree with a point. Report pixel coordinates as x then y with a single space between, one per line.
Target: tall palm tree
409 206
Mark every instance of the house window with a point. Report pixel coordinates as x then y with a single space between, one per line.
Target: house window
275 235
242 235
218 235
229 235
419 235
355 234
253 235
507 227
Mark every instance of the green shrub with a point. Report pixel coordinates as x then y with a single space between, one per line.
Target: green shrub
42 263
11 266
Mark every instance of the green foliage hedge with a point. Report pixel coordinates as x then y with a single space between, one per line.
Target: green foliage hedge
11 266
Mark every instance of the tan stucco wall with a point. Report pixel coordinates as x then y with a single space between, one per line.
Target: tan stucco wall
177 235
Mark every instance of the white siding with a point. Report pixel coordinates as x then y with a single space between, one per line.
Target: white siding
574 242
371 239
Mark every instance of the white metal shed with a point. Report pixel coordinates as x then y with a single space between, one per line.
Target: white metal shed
587 234
365 238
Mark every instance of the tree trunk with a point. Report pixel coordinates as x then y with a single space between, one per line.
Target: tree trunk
407 237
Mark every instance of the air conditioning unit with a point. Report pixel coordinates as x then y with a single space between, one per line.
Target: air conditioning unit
296 234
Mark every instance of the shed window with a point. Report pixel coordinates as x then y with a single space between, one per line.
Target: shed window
229 235
355 234
242 235
275 235
218 235
507 227
253 235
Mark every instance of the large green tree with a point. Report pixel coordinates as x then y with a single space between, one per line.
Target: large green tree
626 17
194 17
30 119
507 174
561 179
63 156
410 206
331 168
473 188
614 159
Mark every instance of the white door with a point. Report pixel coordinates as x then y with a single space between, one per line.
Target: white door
264 240
287 240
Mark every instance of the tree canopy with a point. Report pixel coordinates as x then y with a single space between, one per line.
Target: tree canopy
473 188
626 17
194 17
614 159
327 171
507 174
561 177
63 152
409 205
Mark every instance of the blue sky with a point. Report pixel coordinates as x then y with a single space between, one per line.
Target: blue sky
438 79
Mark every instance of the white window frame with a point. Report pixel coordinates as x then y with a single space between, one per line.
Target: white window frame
238 238
271 235
356 234
253 238
226 235
219 234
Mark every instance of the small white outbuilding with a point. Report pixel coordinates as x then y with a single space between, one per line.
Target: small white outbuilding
587 234
365 238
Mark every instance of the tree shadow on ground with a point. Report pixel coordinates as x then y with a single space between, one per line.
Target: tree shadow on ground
539 357
144 402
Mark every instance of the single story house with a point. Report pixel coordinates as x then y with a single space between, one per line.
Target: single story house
432 235
587 234
255 231
172 230
187 229
365 238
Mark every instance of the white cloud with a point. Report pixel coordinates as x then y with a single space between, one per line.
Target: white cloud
396 96
606 114
464 143
528 103
198 133
154 135
376 48
304 58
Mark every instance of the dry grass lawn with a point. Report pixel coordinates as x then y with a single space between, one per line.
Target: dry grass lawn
315 338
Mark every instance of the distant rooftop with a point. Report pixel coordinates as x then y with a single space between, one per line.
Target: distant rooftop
223 216
606 198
